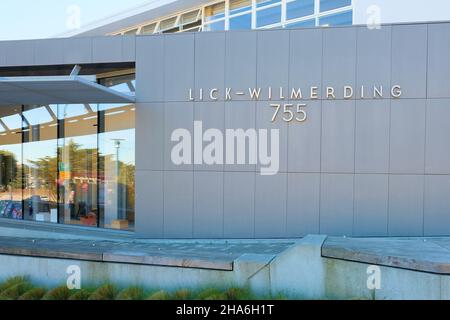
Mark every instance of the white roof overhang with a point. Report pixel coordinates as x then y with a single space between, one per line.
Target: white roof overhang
57 90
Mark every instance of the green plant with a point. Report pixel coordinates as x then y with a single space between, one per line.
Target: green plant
159 295
219 296
238 294
105 292
279 296
33 294
81 294
15 291
182 294
58 293
18 288
11 282
207 293
133 293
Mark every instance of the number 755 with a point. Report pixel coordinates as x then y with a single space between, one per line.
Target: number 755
289 113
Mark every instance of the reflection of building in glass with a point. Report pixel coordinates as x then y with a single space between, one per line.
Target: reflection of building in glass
55 162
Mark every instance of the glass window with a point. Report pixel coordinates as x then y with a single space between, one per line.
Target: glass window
302 24
109 106
11 171
262 3
72 163
131 32
192 26
338 19
215 11
66 111
77 164
242 22
237 6
268 16
299 8
37 116
167 24
173 30
13 121
326 5
215 26
40 196
117 167
190 17
148 29
195 29
125 83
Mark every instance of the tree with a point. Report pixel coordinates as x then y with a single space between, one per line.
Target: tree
8 169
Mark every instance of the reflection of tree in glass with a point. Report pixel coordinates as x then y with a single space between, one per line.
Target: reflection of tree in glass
8 169
82 163
126 177
43 170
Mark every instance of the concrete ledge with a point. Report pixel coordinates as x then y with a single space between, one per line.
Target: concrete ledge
168 254
413 254
50 253
315 267
169 261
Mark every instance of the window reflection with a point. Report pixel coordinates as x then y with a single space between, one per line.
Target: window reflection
10 170
299 8
242 22
39 166
13 121
70 164
338 19
215 11
262 3
207 17
117 163
326 5
268 16
77 148
66 111
215 26
302 24
39 115
237 6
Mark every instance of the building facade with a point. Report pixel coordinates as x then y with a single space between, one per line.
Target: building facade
167 16
344 130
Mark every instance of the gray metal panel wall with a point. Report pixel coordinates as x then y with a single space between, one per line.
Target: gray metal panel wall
362 167
67 51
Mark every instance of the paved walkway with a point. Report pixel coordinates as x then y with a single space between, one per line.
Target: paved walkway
421 254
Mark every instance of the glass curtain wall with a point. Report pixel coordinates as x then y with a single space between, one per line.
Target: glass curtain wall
39 152
11 163
77 164
71 164
116 163
116 156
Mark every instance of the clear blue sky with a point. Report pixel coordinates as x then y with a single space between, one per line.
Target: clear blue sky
33 19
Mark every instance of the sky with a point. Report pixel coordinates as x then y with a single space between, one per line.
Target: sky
35 19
